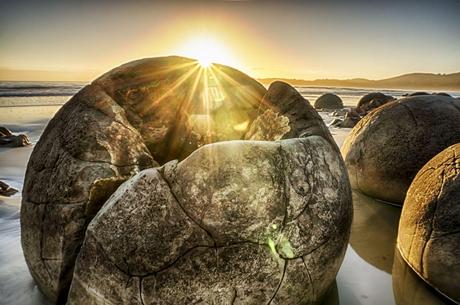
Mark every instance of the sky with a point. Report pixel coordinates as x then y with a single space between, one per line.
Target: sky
66 40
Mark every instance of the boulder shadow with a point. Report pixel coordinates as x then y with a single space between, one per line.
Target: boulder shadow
410 289
374 230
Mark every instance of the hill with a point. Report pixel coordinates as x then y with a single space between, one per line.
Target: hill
422 81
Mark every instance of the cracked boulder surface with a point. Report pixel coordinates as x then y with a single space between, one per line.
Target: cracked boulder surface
387 148
259 221
137 116
429 228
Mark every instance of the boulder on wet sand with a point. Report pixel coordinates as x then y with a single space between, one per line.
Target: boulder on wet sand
373 96
371 101
366 104
429 228
237 222
132 118
387 148
329 101
8 139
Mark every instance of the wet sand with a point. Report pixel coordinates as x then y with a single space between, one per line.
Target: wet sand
364 278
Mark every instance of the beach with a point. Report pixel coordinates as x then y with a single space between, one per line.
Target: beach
365 276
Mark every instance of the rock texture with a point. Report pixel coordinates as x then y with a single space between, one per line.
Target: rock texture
329 101
429 228
387 148
132 118
239 222
292 112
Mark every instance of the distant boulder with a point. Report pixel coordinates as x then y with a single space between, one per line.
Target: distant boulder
372 100
386 149
429 228
329 101
418 93
443 93
365 99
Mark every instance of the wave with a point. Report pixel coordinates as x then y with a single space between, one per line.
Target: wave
28 89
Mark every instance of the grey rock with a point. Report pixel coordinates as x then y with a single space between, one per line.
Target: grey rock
429 229
131 118
236 222
290 107
329 101
387 148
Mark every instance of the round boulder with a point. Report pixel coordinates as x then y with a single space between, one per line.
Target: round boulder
443 94
387 148
429 228
365 99
329 101
134 117
371 101
418 93
255 221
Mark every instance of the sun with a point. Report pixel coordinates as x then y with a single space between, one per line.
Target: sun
204 61
207 50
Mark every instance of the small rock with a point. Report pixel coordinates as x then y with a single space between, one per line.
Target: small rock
8 139
6 190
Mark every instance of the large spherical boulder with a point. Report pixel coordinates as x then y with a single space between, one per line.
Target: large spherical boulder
134 117
429 228
239 222
329 101
386 149
244 220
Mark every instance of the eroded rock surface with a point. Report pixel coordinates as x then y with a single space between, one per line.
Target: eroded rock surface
134 117
429 228
285 111
239 222
387 148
